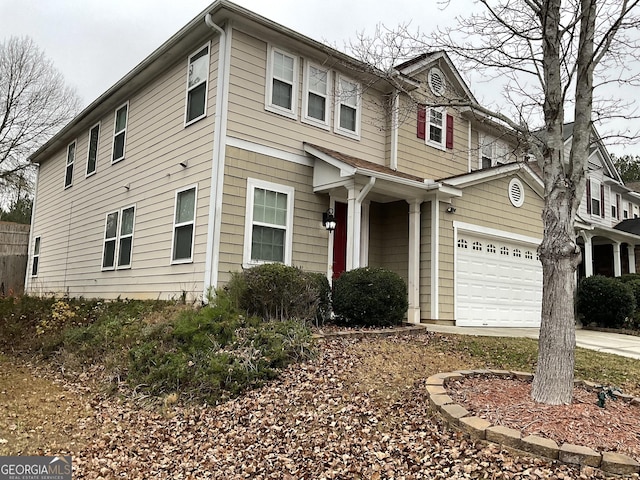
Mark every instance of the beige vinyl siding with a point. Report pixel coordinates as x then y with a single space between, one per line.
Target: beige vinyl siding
425 260
446 264
71 222
389 236
310 239
248 119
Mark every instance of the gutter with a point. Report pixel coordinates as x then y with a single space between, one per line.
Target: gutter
212 259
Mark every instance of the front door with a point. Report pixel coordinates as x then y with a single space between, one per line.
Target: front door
340 240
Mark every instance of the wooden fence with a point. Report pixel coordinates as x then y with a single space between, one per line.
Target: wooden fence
14 255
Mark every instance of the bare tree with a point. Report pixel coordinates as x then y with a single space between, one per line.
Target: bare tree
34 104
551 55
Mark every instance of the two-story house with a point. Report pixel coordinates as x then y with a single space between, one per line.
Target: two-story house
233 142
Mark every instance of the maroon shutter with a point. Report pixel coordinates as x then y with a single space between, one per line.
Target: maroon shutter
422 122
588 196
618 207
449 131
602 201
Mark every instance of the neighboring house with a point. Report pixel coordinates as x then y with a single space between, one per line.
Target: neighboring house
224 148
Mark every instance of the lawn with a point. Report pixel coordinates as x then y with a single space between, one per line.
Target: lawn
356 410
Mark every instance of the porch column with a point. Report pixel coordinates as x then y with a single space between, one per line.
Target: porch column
588 256
354 216
617 267
413 314
632 258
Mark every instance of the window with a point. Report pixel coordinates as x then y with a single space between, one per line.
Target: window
491 248
517 253
36 257
504 251
269 223
118 239
528 255
184 225
477 246
493 151
595 194
316 90
197 80
347 118
615 207
462 243
435 123
68 172
625 211
92 156
282 82
119 133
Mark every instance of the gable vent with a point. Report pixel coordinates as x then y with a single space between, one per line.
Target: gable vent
516 192
436 81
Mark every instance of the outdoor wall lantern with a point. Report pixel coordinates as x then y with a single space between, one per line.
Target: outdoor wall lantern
451 209
328 220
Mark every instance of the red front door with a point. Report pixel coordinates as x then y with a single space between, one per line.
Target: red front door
340 240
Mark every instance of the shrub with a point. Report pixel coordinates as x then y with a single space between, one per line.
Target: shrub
370 296
606 301
633 281
278 292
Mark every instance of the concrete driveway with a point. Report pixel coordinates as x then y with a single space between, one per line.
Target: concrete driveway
616 343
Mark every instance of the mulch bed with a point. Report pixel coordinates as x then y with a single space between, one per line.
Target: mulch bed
507 402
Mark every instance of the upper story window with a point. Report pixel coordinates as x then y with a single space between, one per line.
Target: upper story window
347 117
625 210
595 198
493 151
315 103
92 155
615 207
268 223
197 81
436 127
282 83
120 133
68 171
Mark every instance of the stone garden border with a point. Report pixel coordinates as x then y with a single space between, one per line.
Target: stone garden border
477 428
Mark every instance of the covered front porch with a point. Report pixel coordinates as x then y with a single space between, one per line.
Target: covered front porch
608 251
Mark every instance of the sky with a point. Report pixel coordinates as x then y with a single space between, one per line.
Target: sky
95 43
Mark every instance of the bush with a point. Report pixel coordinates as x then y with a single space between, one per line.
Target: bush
370 296
605 301
278 292
633 280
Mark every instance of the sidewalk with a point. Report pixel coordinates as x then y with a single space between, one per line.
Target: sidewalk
616 343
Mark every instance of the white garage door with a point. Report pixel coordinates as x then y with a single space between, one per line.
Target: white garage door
498 282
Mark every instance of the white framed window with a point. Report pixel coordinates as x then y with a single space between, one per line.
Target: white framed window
268 230
436 134
117 248
92 154
625 210
197 81
493 151
282 83
595 198
68 171
348 110
315 102
636 211
36 257
120 132
615 214
184 223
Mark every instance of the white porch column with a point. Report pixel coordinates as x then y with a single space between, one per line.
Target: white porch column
588 255
632 258
353 230
413 314
617 265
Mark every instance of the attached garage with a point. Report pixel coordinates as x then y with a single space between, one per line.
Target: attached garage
498 280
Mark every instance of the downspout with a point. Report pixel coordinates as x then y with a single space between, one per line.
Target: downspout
212 258
27 275
394 131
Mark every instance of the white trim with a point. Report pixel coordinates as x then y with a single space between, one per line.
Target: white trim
27 276
116 240
206 83
435 258
355 134
88 174
395 126
492 232
120 237
469 146
252 184
116 133
324 124
442 145
268 98
70 164
270 151
182 224
516 202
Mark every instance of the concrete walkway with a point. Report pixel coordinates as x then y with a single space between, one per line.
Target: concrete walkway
616 343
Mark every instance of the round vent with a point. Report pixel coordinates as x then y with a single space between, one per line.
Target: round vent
436 81
516 192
